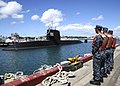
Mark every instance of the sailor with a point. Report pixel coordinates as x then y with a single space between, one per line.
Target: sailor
109 51
112 50
97 51
102 50
106 62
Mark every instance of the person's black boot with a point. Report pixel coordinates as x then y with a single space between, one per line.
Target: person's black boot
101 80
105 75
95 82
111 68
108 72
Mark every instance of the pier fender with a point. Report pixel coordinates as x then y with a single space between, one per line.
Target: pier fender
86 58
33 79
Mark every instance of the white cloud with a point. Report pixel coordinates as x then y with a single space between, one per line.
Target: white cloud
2 3
98 18
77 26
117 28
78 13
16 16
11 9
53 16
117 31
83 28
21 21
3 16
27 11
35 17
16 22
13 22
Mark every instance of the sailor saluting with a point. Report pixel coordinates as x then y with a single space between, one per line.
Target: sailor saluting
98 47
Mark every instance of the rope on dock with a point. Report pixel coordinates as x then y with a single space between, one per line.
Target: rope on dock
60 77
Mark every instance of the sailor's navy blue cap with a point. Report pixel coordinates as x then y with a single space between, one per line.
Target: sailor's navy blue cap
105 29
98 27
110 32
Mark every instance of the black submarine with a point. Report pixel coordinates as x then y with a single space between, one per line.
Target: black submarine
52 39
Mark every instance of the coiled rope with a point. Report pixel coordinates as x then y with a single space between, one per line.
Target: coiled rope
60 77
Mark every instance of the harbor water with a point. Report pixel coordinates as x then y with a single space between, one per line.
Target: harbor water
30 60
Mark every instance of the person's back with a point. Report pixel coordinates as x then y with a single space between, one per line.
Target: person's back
97 42
104 42
110 40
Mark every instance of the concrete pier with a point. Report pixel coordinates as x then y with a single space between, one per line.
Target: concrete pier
84 74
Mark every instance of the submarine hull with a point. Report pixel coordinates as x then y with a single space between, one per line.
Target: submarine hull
38 44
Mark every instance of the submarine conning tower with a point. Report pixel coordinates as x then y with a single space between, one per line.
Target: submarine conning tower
54 36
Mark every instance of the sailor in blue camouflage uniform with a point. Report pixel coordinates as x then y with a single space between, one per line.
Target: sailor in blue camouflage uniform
97 56
109 51
112 48
102 50
106 61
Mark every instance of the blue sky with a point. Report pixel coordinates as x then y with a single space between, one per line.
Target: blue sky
71 17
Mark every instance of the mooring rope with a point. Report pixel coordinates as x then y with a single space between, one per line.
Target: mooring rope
60 77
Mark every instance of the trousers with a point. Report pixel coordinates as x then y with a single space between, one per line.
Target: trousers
109 59
98 65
